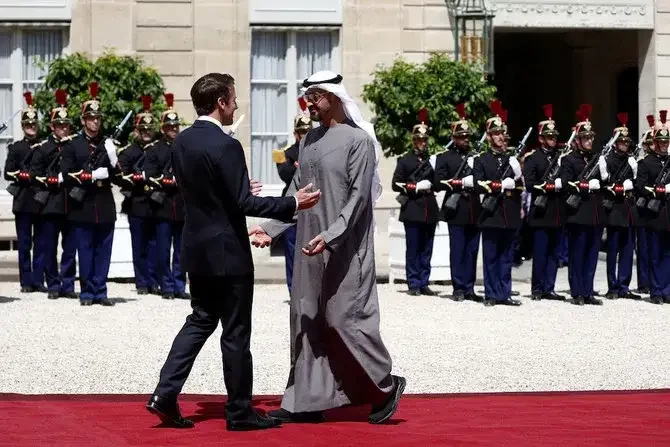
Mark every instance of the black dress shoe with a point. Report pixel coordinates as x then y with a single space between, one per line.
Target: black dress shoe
553 296
27 289
656 299
142 291
458 296
383 412
86 302
182 295
53 295
72 295
426 291
643 290
307 417
592 300
168 412
253 421
40 289
414 292
168 296
509 302
489 301
612 295
472 296
537 296
105 302
630 295
666 299
578 300
155 290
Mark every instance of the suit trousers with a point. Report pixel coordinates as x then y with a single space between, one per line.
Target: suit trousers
642 258
463 252
620 248
94 244
143 241
289 254
168 240
658 244
584 243
215 298
546 247
46 253
27 230
419 238
498 252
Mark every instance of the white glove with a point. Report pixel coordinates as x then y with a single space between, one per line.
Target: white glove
508 183
516 167
110 147
667 188
144 175
60 178
602 166
100 174
469 182
627 185
423 185
558 184
594 185
633 165
471 162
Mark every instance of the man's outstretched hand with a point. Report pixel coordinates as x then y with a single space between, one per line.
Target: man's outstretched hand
255 186
315 246
307 199
260 238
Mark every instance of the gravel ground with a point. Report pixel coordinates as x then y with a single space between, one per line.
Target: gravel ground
439 345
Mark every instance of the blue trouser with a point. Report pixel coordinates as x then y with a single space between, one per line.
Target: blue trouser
46 254
584 242
498 252
168 235
658 244
289 254
143 240
418 252
620 247
463 252
546 246
27 229
642 258
563 248
94 244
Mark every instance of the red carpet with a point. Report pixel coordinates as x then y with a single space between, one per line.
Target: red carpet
634 418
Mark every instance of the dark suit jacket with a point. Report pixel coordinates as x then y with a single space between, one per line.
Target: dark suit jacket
212 174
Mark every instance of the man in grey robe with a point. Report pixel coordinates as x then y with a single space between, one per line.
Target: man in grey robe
337 354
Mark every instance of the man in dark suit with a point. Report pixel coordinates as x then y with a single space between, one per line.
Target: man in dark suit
212 175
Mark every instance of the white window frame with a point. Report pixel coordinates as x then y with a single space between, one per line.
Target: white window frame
16 81
292 82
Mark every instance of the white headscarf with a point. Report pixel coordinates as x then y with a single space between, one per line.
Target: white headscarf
332 82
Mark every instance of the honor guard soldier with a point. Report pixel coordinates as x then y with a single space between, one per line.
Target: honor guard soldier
88 163
135 190
498 176
547 210
461 207
621 213
287 163
413 180
167 206
24 207
585 214
50 196
653 186
643 268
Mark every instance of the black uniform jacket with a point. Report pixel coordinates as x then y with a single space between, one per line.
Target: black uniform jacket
19 155
98 205
623 212
535 166
287 169
211 171
488 169
160 174
469 206
647 173
44 170
420 206
590 210
134 187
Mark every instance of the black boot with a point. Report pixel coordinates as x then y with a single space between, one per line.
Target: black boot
383 412
306 417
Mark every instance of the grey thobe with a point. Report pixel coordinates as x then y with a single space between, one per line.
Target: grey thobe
337 354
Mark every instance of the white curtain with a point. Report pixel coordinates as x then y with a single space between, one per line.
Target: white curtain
268 102
314 53
5 99
40 46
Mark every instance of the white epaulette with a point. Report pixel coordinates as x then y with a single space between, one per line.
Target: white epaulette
121 149
39 144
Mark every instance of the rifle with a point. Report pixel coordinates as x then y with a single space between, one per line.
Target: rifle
491 202
654 204
620 175
419 172
96 159
4 125
588 172
49 180
159 196
453 199
549 176
13 188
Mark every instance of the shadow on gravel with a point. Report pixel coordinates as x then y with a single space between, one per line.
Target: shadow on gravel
8 299
122 300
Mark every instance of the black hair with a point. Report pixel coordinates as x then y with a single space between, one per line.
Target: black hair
208 89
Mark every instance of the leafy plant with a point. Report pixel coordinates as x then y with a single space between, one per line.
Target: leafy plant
398 92
122 79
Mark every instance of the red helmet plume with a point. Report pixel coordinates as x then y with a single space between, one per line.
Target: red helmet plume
94 89
29 98
61 97
423 115
503 115
585 110
623 118
663 114
302 103
146 102
460 109
651 120
496 106
548 110
169 99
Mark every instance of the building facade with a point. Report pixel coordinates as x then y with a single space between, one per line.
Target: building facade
609 53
